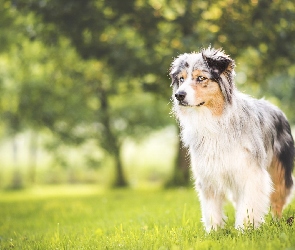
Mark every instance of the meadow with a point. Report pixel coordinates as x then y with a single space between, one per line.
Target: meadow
88 217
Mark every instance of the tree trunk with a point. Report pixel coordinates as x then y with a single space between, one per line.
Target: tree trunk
15 153
181 172
16 182
120 179
111 143
181 168
33 157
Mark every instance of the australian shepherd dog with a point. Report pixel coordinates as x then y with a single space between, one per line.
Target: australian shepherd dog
240 147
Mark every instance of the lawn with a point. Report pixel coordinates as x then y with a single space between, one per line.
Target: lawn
86 217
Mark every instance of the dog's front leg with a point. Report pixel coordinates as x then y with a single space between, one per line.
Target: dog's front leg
212 215
253 199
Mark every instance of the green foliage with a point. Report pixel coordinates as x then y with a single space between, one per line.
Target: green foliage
88 218
49 86
98 69
139 39
151 32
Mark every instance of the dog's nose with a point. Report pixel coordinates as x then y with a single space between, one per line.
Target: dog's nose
180 95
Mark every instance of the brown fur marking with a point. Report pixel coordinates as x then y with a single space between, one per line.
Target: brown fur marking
280 193
182 74
209 92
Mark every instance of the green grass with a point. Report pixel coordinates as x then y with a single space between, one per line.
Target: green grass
83 217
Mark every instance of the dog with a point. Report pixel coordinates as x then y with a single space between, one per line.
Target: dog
240 147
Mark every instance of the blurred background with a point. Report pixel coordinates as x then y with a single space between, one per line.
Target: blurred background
84 85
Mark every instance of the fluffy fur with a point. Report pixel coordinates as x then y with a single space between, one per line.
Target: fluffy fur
239 146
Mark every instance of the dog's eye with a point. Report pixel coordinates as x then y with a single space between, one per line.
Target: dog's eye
201 78
181 79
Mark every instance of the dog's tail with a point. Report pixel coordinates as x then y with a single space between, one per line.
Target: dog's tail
282 165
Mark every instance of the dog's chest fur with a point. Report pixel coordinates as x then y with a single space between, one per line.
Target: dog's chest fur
219 148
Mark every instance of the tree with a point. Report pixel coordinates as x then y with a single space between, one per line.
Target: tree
47 97
136 40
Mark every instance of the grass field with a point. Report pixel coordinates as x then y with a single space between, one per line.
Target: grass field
86 217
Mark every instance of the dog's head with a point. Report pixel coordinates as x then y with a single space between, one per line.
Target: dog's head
203 79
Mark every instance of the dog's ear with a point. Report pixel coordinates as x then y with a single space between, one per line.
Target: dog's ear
173 72
174 80
217 65
175 68
221 67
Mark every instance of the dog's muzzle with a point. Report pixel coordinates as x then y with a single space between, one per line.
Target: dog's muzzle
180 96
